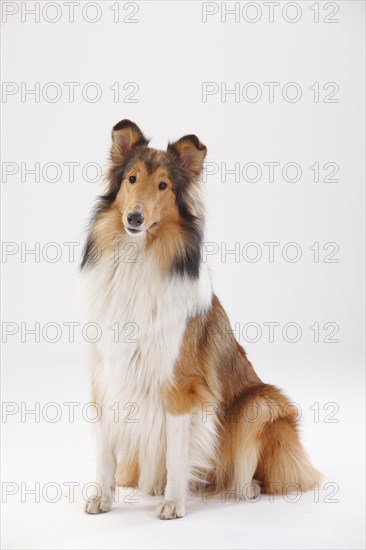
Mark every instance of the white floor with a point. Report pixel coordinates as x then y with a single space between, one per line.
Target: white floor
210 525
62 452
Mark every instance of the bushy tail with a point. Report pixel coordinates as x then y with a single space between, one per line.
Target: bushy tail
283 465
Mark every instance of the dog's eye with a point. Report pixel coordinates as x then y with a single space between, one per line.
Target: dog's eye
132 179
162 185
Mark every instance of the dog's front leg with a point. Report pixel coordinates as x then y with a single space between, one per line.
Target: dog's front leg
101 500
177 465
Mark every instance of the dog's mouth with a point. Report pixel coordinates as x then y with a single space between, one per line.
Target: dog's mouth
135 231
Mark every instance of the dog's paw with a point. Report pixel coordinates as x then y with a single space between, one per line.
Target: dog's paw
252 490
170 509
98 504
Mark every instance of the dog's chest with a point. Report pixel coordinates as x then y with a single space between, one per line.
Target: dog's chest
141 317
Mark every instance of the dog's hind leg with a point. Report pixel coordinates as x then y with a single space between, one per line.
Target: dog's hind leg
260 440
283 465
243 485
239 456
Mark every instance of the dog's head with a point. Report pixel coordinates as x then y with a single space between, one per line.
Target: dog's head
150 187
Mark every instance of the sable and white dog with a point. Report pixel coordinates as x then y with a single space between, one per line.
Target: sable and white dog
181 406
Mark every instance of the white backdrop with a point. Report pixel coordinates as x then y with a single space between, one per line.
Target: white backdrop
275 91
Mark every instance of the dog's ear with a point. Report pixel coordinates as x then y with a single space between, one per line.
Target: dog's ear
125 136
190 152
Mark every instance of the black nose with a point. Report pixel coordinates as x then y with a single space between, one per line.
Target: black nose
135 219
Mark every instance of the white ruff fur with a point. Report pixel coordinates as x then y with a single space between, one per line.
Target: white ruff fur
151 312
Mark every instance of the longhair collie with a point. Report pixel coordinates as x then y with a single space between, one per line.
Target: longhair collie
181 408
